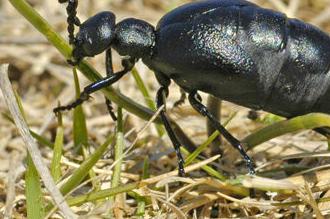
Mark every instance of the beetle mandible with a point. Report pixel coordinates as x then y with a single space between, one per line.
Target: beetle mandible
232 49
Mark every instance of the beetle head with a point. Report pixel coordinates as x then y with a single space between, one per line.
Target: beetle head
95 35
134 38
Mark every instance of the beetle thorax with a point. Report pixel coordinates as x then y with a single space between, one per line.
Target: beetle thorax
134 38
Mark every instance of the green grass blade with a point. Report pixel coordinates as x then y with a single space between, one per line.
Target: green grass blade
142 87
308 121
80 173
33 192
141 202
271 118
55 166
146 164
206 168
80 135
200 148
119 149
93 176
93 196
210 139
147 98
40 139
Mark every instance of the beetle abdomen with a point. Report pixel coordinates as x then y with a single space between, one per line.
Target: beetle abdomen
292 59
304 76
245 54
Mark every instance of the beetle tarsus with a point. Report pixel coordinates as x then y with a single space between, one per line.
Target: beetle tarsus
161 96
82 98
195 101
108 103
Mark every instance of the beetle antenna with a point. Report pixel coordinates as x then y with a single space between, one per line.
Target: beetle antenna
72 19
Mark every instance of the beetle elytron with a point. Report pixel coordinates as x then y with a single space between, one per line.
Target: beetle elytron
232 49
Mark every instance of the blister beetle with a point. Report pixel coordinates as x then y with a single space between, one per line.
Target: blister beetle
232 49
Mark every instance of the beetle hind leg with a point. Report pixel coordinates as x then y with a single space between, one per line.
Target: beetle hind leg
195 101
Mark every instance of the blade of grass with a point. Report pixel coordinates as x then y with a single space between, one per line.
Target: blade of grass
119 149
147 98
271 119
55 166
30 143
93 176
92 196
308 121
80 173
40 139
33 192
206 168
80 135
210 139
141 200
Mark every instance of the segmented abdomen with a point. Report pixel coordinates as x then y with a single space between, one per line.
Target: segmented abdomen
293 61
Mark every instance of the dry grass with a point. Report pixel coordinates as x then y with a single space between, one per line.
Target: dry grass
41 77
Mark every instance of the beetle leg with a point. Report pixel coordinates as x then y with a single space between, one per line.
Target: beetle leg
214 106
109 70
160 99
183 97
98 85
195 101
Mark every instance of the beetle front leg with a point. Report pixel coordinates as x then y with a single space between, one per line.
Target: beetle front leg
195 101
160 99
128 64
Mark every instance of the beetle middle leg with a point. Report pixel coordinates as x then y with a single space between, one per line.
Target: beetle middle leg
109 70
162 93
195 101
